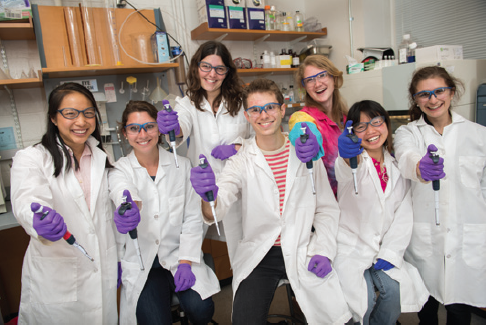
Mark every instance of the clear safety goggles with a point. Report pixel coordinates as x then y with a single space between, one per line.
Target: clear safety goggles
311 81
425 95
72 113
270 108
149 127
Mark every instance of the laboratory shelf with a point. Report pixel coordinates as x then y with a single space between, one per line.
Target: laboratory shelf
22 29
22 83
203 32
69 72
263 72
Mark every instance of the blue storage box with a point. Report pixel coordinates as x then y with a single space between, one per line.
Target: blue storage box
256 18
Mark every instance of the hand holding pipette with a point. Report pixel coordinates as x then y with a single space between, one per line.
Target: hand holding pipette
127 218
50 225
306 149
168 123
204 183
349 146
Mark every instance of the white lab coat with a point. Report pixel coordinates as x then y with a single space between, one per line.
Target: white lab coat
450 257
59 284
248 175
171 226
207 131
375 224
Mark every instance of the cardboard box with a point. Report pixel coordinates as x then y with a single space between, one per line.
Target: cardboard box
438 53
255 18
236 17
255 4
214 15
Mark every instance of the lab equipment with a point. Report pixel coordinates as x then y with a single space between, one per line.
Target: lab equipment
172 139
310 165
434 155
112 30
209 195
68 237
353 161
133 233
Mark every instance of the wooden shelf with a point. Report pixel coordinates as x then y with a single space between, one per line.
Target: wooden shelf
22 83
262 72
203 32
105 70
22 29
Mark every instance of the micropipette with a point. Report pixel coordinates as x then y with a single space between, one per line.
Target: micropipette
133 233
353 161
210 196
434 155
68 237
309 164
172 138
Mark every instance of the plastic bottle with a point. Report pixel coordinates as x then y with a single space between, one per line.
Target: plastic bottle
411 52
285 95
299 22
403 49
273 60
285 22
266 60
278 20
269 18
291 94
273 18
290 20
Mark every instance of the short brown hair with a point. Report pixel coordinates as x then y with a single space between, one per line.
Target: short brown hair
138 106
262 85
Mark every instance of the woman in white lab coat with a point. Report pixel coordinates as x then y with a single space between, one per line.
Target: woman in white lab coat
450 255
211 115
66 173
375 224
170 232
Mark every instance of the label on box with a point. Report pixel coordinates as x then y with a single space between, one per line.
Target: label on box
236 13
90 84
216 11
257 15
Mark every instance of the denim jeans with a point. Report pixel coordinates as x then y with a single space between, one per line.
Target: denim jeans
255 293
457 314
154 303
384 309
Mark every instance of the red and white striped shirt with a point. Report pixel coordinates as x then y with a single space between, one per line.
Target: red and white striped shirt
278 161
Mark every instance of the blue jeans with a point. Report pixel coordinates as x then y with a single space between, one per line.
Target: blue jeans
384 309
154 303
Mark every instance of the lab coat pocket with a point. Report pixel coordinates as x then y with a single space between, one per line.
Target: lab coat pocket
474 245
421 242
130 274
471 170
176 209
55 280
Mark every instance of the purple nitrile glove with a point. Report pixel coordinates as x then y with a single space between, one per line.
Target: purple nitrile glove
383 265
430 171
184 278
320 265
308 150
346 146
52 227
119 279
203 180
224 151
130 219
168 121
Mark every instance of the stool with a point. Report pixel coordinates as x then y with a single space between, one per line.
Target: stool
292 317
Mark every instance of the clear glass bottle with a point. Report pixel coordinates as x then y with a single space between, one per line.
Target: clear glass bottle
299 22
273 17
291 94
411 52
269 18
285 22
403 49
290 20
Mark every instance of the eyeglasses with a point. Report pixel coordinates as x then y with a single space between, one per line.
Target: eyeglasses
311 81
375 121
149 127
270 108
72 113
206 67
425 95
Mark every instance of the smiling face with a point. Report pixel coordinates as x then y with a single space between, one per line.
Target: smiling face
436 109
211 81
320 91
373 137
265 125
142 142
75 132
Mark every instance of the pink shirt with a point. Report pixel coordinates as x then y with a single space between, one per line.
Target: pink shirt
83 174
382 174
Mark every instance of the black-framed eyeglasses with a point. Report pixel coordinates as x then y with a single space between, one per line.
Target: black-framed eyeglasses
206 67
311 80
270 108
135 128
362 126
72 113
425 95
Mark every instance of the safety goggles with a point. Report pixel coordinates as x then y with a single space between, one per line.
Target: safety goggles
206 67
425 95
149 127
270 108
72 113
362 126
311 81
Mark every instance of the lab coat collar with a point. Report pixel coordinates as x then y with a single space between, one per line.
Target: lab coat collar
164 161
222 106
391 169
456 118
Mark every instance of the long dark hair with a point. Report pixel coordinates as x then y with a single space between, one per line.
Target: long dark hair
50 138
372 109
427 73
230 88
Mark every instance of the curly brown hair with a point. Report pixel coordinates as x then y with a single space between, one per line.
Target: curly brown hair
338 105
230 88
